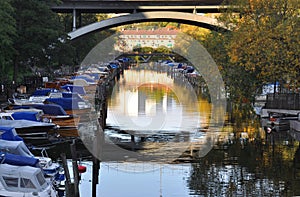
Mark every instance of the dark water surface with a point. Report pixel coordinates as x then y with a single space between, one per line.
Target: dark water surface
189 157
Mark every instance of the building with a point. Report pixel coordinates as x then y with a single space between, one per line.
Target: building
130 39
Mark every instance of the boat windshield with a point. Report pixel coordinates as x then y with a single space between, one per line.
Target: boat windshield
26 183
41 179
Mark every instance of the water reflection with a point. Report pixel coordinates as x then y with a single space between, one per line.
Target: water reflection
158 119
183 154
147 100
256 170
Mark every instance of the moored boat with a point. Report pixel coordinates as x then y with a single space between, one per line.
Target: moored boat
67 124
24 181
72 104
14 151
30 130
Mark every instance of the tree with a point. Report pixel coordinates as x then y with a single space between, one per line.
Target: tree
83 45
7 36
265 39
197 33
38 30
262 47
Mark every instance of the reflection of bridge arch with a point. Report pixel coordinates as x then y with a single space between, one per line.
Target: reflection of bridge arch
187 18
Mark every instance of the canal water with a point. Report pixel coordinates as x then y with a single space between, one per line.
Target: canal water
162 140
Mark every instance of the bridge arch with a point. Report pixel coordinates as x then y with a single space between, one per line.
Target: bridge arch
187 18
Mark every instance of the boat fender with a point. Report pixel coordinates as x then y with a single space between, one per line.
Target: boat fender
81 169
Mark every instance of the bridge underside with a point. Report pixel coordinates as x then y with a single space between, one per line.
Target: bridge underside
131 6
186 18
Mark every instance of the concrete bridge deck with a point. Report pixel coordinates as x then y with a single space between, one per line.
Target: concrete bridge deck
133 6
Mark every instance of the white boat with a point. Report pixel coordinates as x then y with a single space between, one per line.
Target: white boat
24 181
49 167
52 170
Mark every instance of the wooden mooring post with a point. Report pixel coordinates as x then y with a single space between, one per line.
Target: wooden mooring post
75 168
69 185
95 176
72 188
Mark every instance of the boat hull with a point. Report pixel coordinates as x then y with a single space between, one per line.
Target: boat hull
66 132
64 121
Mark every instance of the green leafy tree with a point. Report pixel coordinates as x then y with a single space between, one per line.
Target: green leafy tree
8 34
38 30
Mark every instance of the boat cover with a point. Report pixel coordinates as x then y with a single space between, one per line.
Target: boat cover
43 92
9 133
15 147
18 160
71 95
25 115
65 103
22 174
50 109
18 124
74 89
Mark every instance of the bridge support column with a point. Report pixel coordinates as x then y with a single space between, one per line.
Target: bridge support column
74 19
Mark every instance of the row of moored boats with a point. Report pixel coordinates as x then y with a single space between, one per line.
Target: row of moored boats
52 113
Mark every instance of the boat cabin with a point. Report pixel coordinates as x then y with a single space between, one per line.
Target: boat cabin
23 181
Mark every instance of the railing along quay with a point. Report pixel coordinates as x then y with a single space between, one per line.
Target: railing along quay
287 101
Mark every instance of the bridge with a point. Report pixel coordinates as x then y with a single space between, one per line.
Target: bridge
134 6
145 57
184 11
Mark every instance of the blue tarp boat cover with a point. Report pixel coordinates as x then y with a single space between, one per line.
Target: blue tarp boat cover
50 109
74 89
26 115
9 133
21 124
71 95
65 103
43 92
18 160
